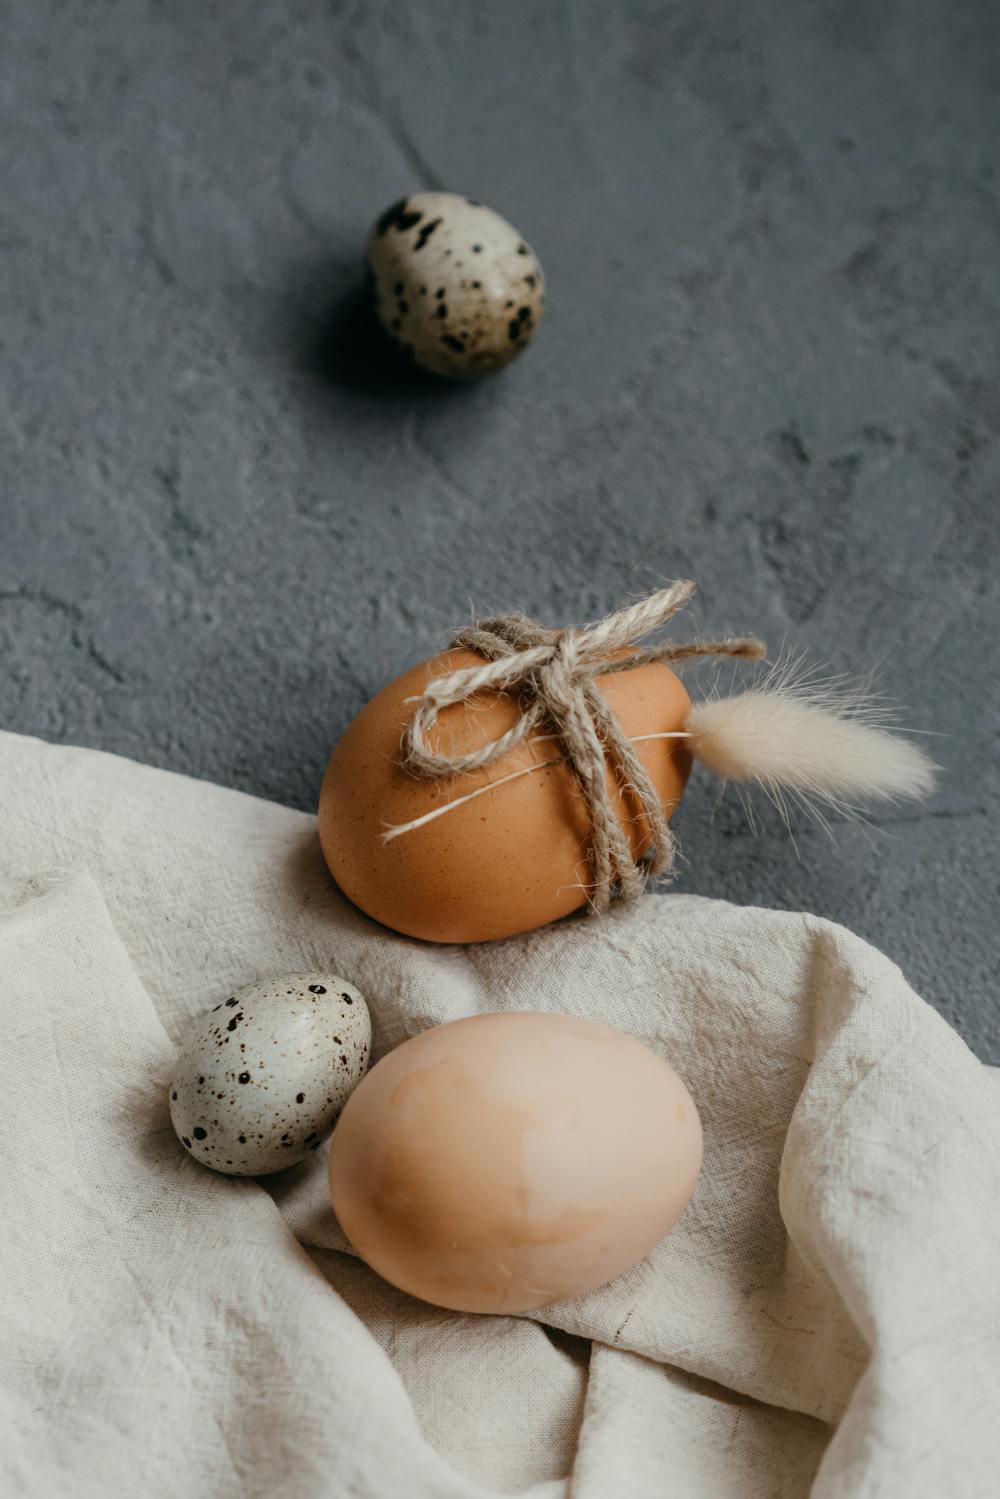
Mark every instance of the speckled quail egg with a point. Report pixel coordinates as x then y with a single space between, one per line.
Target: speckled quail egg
260 1080
456 287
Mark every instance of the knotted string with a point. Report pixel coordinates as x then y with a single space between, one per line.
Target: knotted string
553 672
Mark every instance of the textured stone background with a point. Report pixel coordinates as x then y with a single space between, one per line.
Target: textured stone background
772 238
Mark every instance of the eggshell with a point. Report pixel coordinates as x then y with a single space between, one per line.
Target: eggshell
507 861
506 1161
259 1080
456 286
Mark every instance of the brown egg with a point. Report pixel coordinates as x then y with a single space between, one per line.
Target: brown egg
506 1161
507 861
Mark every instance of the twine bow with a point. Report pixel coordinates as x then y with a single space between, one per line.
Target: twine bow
553 673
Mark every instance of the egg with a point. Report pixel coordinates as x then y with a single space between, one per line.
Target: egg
457 288
503 1162
503 862
259 1081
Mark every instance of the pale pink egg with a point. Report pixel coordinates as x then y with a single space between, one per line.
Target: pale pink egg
510 1160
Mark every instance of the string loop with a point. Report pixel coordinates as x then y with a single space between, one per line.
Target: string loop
553 673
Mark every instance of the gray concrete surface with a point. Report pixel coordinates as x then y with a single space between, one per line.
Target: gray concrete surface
772 239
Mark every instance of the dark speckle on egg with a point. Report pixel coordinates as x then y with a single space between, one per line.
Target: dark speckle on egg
398 217
199 1133
425 234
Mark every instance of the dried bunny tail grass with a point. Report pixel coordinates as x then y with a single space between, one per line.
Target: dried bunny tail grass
825 743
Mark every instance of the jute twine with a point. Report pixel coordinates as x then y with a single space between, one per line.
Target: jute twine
553 672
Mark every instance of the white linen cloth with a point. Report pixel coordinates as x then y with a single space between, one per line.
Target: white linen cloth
824 1320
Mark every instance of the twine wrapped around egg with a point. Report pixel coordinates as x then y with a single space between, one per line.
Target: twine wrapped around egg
553 674
433 823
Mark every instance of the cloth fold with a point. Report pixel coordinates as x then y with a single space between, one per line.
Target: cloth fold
825 1318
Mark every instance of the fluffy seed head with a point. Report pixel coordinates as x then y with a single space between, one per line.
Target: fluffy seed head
821 743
